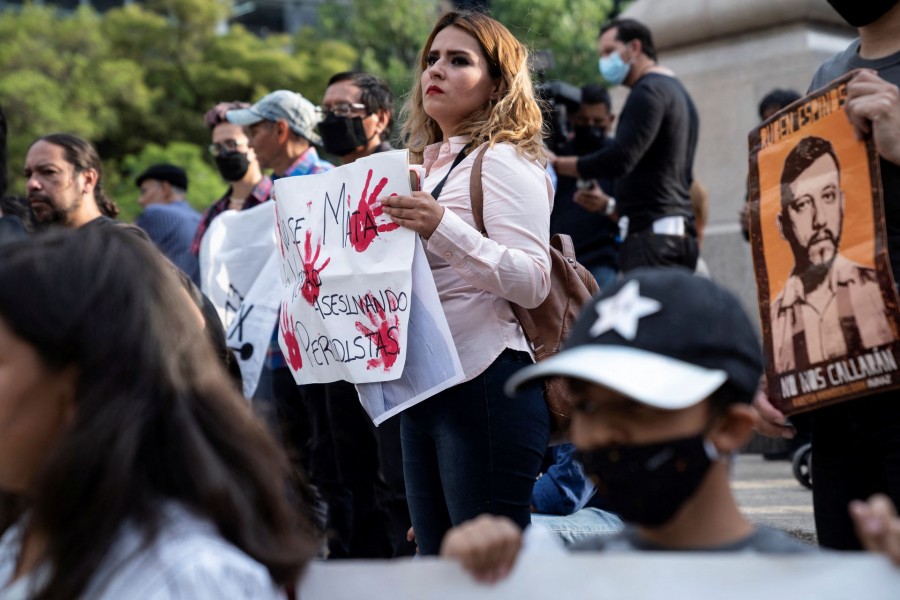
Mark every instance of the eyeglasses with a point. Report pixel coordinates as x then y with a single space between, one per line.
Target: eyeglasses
226 146
344 109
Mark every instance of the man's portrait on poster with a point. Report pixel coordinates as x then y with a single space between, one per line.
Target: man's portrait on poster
830 306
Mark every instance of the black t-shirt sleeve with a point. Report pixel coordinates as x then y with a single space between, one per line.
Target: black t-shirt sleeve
638 126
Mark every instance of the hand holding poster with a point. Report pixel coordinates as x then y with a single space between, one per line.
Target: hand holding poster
346 270
827 301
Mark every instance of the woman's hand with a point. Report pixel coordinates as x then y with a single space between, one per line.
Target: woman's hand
419 212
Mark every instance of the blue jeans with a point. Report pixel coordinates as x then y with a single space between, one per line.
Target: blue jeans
471 450
605 276
586 523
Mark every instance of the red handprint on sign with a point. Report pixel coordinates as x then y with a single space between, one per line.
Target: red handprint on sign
311 281
363 228
290 339
385 334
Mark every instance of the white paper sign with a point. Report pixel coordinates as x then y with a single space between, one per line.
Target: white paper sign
645 576
432 364
239 274
346 272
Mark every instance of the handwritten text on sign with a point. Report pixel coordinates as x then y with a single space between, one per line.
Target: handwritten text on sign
346 271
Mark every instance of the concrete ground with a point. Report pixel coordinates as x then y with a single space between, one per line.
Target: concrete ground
768 493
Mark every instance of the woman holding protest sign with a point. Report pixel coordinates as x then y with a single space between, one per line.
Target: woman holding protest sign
139 469
470 449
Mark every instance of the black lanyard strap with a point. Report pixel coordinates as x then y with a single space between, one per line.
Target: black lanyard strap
436 192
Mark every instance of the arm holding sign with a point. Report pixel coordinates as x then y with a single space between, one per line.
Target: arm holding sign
514 263
873 106
419 212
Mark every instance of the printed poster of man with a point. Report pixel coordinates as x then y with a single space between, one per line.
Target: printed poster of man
827 301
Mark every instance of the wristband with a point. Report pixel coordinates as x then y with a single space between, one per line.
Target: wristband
610 206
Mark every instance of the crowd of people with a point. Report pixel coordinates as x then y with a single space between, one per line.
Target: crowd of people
131 465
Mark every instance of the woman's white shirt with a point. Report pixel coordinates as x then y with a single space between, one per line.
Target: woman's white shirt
188 559
477 277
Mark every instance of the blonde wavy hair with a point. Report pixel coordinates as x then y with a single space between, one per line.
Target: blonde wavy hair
514 117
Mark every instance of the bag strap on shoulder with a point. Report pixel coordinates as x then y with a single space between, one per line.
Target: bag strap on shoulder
476 191
563 242
476 194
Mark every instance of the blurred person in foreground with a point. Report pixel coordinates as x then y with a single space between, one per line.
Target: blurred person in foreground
659 449
111 398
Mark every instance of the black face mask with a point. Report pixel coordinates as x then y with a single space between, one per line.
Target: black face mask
232 165
342 135
860 13
647 484
588 139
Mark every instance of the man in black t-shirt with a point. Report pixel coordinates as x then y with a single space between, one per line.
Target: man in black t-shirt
652 155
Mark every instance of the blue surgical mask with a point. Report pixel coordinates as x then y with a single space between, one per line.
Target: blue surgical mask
613 69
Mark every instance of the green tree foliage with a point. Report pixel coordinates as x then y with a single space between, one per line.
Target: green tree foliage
387 36
137 80
142 75
61 75
204 184
568 28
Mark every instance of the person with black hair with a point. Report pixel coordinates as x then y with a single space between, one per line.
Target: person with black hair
768 106
357 116
65 190
138 469
775 101
237 164
652 154
65 182
581 206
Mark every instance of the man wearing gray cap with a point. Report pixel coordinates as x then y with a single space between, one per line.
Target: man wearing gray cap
282 130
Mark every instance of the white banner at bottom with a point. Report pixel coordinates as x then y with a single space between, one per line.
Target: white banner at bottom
663 576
